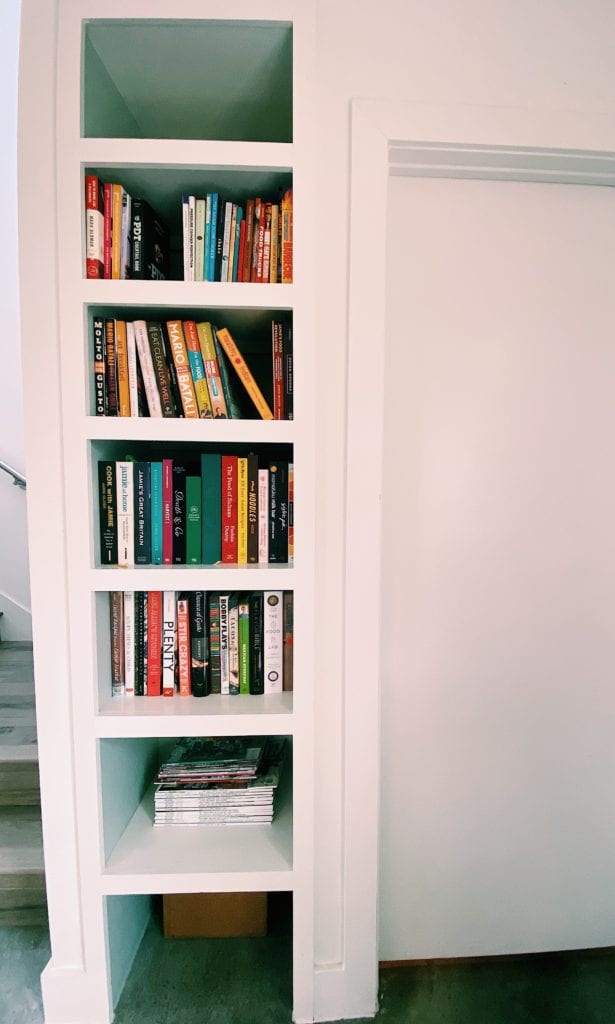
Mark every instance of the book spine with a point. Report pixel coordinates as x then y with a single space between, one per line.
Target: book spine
229 509
213 607
211 508
263 516
273 260
233 644
246 273
167 512
266 245
126 236
183 647
243 612
232 272
241 249
242 511
94 226
199 239
100 390
107 497
138 643
193 520
207 241
188 240
259 237
129 643
161 371
116 232
212 370
291 513
287 603
116 616
278 369
143 543
252 510
107 228
147 368
133 378
179 514
287 348
121 355
156 508
233 410
273 640
198 644
228 216
169 630
213 241
278 512
197 368
111 368
145 647
182 369
224 645
241 368
287 238
154 643
125 514
257 670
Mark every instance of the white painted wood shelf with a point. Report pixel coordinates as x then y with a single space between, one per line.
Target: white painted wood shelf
216 715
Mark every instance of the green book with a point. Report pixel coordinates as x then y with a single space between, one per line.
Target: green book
244 643
211 517
193 520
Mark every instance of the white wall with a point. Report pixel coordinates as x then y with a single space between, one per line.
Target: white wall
14 576
509 52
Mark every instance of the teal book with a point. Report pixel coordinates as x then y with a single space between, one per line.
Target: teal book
211 509
193 520
156 504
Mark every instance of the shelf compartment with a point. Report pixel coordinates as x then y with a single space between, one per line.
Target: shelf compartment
216 715
141 858
237 76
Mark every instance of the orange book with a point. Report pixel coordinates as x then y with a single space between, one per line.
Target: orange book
116 232
154 643
121 358
182 369
241 369
287 237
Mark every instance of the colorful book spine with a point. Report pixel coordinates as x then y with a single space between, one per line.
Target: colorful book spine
213 229
287 345
169 630
263 516
248 243
211 508
291 513
193 520
252 510
167 512
278 512
182 369
156 509
273 640
154 643
143 501
133 376
273 260
126 236
116 232
183 647
139 653
277 346
148 372
243 372
212 370
287 603
198 644
233 644
125 513
161 370
121 356
116 624
213 610
94 226
229 509
100 390
107 228
225 679
287 238
107 499
110 367
242 511
197 368
243 613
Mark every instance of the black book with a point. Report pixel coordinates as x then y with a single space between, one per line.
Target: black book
257 672
150 243
157 348
219 237
199 647
143 518
179 514
252 509
278 511
177 398
107 497
213 610
110 368
139 654
141 396
287 364
100 384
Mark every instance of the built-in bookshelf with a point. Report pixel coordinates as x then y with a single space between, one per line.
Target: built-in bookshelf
175 107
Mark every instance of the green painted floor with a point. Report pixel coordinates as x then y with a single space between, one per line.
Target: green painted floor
248 981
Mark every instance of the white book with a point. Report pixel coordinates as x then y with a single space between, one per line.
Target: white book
188 236
124 480
273 640
129 643
263 516
169 634
131 350
225 678
199 240
207 275
147 368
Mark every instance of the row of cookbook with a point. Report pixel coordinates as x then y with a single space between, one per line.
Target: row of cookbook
222 508
196 643
187 369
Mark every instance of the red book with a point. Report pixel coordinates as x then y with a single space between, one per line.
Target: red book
249 241
278 369
107 221
94 226
167 511
242 245
183 648
154 643
229 508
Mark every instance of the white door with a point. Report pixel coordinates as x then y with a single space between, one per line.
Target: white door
498 570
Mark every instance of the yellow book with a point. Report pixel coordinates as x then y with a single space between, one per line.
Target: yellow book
121 361
273 259
242 511
212 370
197 367
287 237
241 369
116 232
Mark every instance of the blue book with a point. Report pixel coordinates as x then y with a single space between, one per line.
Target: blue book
156 505
236 246
213 230
206 264
142 501
211 509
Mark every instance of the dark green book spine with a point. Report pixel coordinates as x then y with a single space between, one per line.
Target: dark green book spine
211 521
244 643
257 673
143 515
193 520
179 514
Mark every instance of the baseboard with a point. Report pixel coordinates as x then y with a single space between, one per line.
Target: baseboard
68 998
15 621
443 961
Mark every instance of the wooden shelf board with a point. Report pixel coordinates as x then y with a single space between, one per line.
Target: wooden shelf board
216 715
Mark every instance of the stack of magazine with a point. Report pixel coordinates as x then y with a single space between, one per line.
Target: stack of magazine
219 781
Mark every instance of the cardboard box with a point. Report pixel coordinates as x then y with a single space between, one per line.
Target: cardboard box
214 915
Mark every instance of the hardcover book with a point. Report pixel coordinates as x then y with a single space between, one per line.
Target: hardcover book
243 372
94 226
211 508
198 644
161 371
100 388
150 243
273 640
169 631
143 543
154 643
213 609
107 499
182 369
184 656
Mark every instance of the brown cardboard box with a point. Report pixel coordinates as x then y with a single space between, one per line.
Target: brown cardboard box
214 915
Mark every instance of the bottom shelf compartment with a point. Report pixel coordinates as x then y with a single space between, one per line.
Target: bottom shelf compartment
247 979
